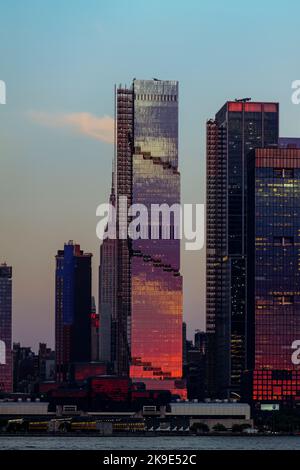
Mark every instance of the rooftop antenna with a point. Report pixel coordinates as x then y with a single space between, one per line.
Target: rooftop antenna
242 100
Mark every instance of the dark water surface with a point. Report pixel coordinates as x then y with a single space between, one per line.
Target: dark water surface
150 443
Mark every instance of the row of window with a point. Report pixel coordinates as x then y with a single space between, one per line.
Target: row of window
283 172
152 97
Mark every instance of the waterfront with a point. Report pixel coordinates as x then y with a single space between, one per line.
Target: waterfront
150 443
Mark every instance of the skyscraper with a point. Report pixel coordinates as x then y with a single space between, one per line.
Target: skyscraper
73 298
108 302
6 378
273 273
148 331
238 127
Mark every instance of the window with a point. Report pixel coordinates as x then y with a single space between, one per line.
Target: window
284 299
283 172
283 241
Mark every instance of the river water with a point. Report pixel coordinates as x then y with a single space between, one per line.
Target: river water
150 443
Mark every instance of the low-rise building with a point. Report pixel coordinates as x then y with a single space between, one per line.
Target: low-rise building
23 408
212 413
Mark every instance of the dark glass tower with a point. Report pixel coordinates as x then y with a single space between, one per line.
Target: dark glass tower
237 129
289 142
147 335
73 308
273 273
6 380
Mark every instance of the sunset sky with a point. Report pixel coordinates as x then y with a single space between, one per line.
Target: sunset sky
60 60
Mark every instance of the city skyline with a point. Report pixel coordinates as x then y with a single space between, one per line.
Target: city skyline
55 151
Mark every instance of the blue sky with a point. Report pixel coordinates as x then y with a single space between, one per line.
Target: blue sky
61 59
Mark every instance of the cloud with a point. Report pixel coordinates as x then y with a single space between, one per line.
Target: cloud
100 128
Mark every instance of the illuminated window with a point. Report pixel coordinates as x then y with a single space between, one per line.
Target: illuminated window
283 172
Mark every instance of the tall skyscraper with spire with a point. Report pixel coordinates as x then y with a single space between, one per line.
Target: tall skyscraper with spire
144 297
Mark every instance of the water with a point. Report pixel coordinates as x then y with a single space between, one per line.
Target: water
151 443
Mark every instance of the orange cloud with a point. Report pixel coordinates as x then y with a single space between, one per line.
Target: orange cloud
100 128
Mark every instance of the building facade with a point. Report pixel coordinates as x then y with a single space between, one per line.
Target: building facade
147 336
108 303
73 308
94 332
274 273
6 377
238 128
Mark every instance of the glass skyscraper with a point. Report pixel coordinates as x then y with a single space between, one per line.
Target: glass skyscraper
6 381
239 127
73 308
274 273
156 295
148 331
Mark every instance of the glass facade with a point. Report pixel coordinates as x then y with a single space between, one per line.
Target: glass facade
6 380
274 246
238 128
217 266
156 118
143 275
73 308
124 151
156 311
156 283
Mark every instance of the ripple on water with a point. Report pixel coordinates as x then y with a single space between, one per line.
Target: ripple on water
151 443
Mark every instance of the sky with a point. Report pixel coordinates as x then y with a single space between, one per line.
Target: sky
60 60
